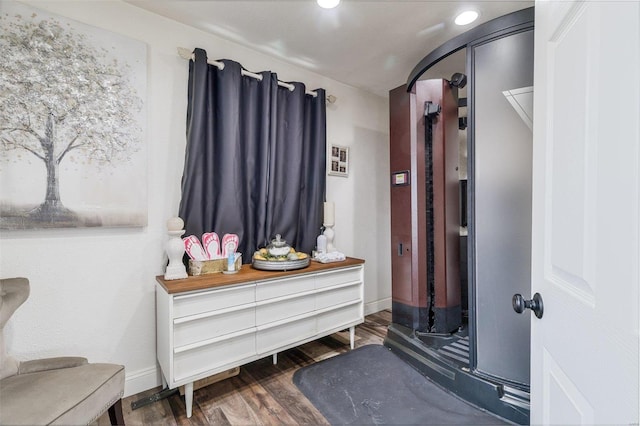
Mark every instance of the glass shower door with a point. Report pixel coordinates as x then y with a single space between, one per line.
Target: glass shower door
500 187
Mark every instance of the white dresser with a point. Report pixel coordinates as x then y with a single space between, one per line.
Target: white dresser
211 323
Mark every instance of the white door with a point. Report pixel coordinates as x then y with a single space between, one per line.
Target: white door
585 254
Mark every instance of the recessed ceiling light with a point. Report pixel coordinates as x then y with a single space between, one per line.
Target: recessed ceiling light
328 4
466 17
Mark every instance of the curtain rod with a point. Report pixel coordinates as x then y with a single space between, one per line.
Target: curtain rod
187 54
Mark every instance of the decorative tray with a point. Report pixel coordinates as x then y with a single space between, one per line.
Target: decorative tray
280 265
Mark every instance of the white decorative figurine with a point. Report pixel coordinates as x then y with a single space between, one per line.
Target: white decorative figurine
175 250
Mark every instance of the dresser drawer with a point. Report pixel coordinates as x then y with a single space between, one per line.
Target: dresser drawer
328 279
268 311
211 300
272 338
272 289
337 296
343 316
196 328
209 357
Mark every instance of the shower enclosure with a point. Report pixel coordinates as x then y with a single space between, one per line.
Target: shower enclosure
473 343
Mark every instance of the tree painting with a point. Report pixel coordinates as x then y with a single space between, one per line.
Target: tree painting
63 100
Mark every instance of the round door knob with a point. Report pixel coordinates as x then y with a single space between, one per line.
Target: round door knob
520 304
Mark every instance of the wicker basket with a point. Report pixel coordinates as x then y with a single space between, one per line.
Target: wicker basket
202 267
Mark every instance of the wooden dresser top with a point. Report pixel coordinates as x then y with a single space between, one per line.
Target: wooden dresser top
247 274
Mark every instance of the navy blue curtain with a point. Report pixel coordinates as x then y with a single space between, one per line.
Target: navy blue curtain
255 157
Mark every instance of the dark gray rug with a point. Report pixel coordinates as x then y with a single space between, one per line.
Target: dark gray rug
371 385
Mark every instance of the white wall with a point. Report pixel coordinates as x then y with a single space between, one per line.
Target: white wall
92 290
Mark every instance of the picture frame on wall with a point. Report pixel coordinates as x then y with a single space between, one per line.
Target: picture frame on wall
339 161
100 144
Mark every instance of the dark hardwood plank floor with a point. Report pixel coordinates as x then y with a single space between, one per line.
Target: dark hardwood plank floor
262 394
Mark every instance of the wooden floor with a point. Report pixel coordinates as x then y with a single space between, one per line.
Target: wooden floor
262 393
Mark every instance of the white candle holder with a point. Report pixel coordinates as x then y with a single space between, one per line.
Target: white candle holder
175 250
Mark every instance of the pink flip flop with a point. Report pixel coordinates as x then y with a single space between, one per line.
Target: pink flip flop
211 243
229 244
193 248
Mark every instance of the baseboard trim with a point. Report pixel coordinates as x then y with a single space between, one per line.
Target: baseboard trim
141 380
377 306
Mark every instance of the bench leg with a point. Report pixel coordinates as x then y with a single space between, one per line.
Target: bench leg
115 413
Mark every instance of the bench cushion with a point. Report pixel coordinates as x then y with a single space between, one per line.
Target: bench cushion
77 395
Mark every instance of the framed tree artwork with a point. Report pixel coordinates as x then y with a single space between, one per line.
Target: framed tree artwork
339 161
72 138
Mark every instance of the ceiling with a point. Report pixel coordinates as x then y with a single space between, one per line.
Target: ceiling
369 44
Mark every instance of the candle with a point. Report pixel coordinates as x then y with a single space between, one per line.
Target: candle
329 213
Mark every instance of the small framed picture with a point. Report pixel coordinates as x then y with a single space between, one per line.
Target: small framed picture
339 161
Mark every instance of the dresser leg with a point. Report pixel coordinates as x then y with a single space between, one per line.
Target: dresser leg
275 358
352 336
188 397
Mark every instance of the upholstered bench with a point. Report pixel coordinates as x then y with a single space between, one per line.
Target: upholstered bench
66 390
